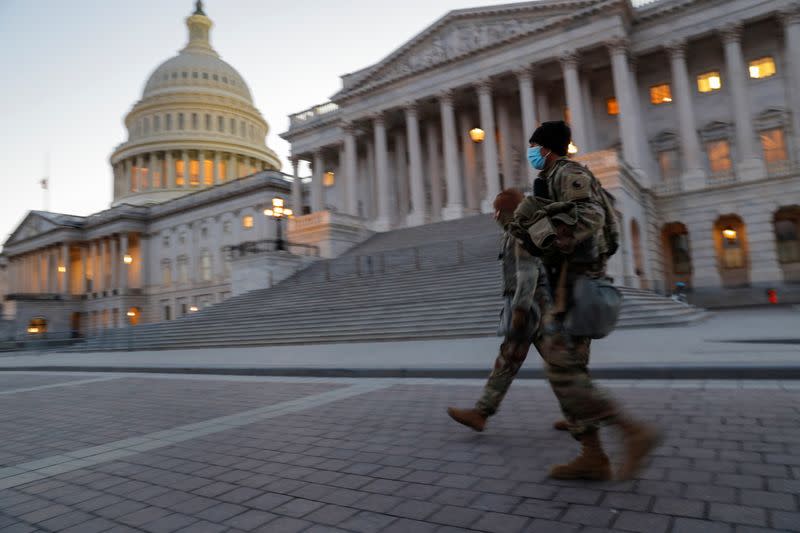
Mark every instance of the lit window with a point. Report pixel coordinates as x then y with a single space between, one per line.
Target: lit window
774 146
732 252
709 81
194 173
329 179
612 106
209 172
247 221
37 326
180 172
660 94
223 170
719 156
669 164
762 68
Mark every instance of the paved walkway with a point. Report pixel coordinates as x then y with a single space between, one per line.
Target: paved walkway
771 335
87 453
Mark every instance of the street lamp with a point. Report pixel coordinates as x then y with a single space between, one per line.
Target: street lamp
477 135
278 212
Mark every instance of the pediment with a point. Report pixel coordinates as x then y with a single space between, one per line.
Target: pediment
36 223
465 32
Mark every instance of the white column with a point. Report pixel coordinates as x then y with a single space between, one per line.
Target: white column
116 261
527 100
84 269
104 263
705 266
509 179
490 161
63 286
382 221
152 168
231 170
417 215
694 174
434 169
586 97
124 274
748 166
130 180
627 113
142 183
217 169
469 164
791 31
572 84
643 146
185 156
317 202
400 178
201 163
93 262
170 164
297 188
350 169
455 206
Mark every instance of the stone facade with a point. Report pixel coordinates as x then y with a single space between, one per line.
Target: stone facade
688 109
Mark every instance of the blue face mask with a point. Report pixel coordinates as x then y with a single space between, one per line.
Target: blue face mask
535 157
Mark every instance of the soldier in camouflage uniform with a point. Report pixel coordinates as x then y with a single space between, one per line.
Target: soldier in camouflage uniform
523 275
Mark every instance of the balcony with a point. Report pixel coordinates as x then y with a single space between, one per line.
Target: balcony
312 115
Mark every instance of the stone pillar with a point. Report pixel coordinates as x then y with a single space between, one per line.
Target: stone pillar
350 170
627 112
217 169
791 31
170 164
116 261
141 180
152 166
231 170
130 182
509 179
417 215
297 188
528 107
586 98
469 162
382 221
401 177
201 163
103 260
434 169
748 166
643 147
317 202
694 175
63 287
489 144
93 262
185 156
705 268
84 269
762 250
455 206
124 267
572 84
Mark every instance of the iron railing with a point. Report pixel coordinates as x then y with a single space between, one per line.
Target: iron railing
270 245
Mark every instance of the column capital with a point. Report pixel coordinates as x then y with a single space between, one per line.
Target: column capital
411 108
618 45
570 59
790 15
676 48
523 73
348 127
731 33
446 96
484 86
378 118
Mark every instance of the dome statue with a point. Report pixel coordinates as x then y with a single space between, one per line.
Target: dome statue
194 127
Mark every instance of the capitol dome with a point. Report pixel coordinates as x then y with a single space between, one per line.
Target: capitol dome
194 127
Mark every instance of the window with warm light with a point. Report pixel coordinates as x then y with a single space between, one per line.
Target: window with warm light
732 251
208 178
762 68
660 94
247 221
329 179
669 164
709 82
719 156
180 173
194 173
612 106
37 326
774 145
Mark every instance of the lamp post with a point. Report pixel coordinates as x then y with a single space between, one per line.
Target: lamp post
278 212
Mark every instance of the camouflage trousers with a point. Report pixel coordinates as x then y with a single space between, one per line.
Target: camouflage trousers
566 359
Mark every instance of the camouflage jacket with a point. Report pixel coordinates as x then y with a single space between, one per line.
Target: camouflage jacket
521 272
578 214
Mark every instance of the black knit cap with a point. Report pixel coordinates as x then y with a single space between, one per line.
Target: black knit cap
554 136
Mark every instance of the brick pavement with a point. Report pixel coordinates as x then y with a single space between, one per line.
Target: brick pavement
388 459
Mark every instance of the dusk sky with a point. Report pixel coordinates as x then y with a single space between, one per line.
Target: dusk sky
72 69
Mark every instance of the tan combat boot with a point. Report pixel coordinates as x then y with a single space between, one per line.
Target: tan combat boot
591 464
472 418
561 425
639 439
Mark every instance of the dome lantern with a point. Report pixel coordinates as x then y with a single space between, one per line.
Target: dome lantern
199 31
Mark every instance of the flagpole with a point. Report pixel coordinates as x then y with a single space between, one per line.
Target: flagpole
46 182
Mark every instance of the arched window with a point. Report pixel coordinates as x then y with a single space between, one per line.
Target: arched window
787 234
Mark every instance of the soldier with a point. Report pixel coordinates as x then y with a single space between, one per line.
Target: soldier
523 275
575 237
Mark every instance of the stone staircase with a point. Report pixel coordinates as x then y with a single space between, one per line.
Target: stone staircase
430 282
